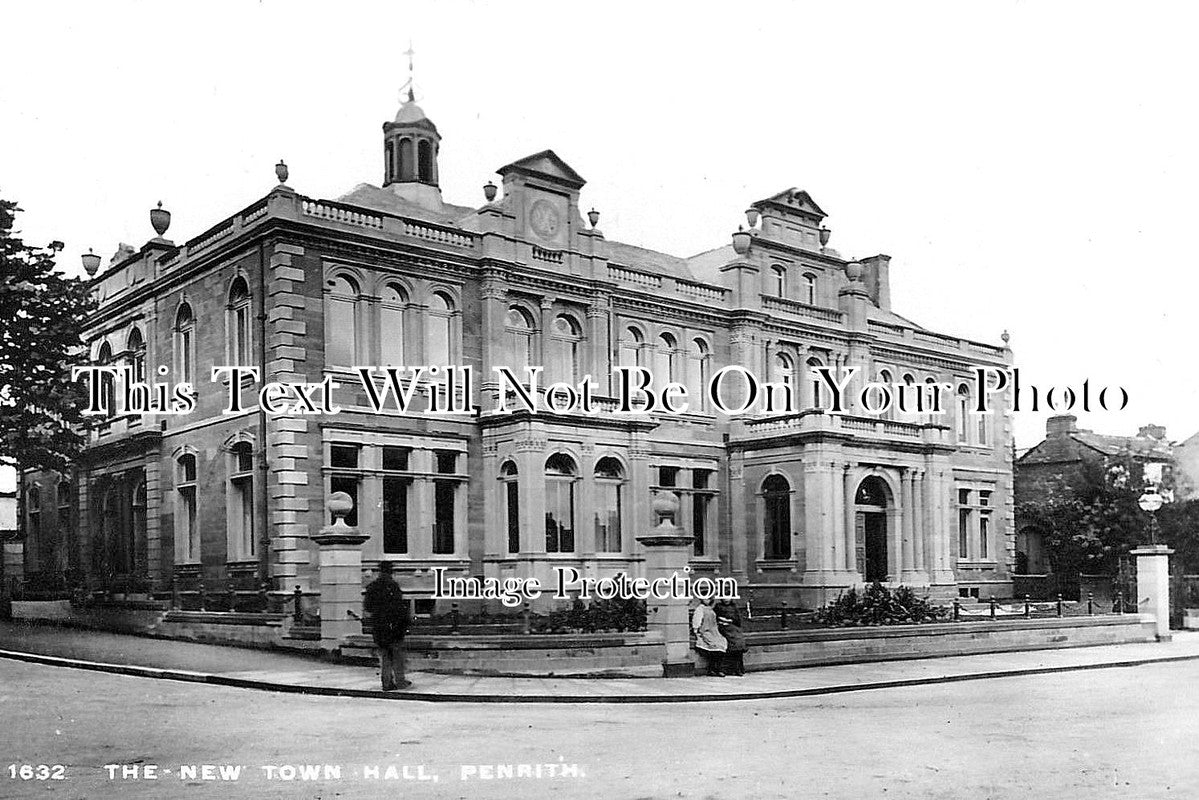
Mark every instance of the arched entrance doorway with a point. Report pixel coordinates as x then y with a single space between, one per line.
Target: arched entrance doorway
870 514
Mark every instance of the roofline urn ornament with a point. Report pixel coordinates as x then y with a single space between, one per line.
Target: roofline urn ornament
751 216
281 171
825 235
741 240
489 191
160 219
91 262
853 271
593 218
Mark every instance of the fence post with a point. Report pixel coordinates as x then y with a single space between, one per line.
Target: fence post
1059 604
174 591
232 598
200 583
1090 604
783 616
525 614
298 609
1027 608
957 609
1119 602
992 603
454 618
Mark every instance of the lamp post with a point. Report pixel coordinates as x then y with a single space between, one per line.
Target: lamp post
1150 502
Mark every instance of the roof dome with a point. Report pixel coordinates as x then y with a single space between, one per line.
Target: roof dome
410 112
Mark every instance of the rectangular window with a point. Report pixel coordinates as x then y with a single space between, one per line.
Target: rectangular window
983 422
395 515
242 517
512 496
343 456
668 476
443 517
963 533
699 522
187 501
447 462
984 535
607 517
395 458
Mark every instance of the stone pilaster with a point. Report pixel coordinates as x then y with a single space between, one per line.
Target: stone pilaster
289 450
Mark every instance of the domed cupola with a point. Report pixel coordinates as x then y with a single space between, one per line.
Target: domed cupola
410 145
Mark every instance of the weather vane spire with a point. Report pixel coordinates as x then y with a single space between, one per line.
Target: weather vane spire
411 73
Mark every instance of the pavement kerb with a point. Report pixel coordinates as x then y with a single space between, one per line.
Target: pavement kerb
439 697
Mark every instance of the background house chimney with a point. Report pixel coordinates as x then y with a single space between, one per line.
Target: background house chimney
1061 425
1152 432
876 275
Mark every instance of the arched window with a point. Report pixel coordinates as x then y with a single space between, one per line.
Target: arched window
425 160
240 502
137 530
609 481
389 158
108 383
809 288
963 411
815 383
519 325
780 281
407 160
391 325
784 370
888 412
564 349
185 344
909 413
776 494
664 360
187 531
135 345
341 321
560 472
440 338
237 324
630 348
700 373
511 483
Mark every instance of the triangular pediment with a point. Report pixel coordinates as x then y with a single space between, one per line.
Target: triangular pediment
546 165
795 201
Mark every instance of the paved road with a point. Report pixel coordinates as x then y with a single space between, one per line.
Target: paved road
1113 733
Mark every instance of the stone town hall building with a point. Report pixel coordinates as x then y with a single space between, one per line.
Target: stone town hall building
798 505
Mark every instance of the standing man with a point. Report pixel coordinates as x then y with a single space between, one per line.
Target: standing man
384 602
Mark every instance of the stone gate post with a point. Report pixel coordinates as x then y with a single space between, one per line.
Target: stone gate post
340 571
667 551
1153 585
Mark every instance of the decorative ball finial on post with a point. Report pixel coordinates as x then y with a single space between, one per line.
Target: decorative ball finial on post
666 508
160 219
489 191
340 505
281 172
91 262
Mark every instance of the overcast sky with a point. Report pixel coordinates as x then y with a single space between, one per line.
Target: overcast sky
1028 166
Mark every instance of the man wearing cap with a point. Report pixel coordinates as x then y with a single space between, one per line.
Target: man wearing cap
384 602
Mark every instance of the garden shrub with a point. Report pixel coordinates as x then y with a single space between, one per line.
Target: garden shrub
879 605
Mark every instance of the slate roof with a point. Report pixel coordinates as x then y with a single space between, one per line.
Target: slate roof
368 196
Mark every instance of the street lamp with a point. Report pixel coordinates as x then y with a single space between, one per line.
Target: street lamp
1150 502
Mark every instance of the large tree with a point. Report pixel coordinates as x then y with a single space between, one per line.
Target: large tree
42 314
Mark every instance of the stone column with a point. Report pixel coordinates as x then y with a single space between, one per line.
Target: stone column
851 540
340 575
908 527
667 550
1153 585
